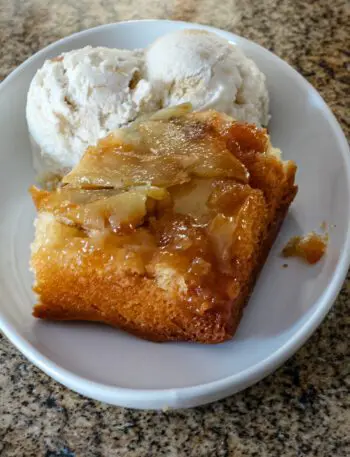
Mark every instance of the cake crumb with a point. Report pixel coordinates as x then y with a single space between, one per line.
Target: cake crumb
310 247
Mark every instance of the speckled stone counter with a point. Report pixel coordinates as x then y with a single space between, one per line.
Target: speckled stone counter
301 410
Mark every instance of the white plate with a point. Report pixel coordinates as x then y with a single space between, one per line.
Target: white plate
287 305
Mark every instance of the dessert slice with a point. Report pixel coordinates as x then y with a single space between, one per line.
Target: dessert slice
162 228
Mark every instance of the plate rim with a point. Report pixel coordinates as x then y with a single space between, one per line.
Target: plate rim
198 394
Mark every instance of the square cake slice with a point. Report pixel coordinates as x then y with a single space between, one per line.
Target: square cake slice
163 227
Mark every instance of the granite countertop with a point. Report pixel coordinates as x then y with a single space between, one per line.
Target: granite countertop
301 410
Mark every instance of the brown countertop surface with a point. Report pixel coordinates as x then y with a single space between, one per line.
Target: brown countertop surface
303 409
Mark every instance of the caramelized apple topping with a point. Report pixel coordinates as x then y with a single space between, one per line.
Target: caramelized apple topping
246 139
182 246
100 209
116 168
192 199
234 237
158 152
228 196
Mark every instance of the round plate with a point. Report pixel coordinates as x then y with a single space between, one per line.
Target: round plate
287 305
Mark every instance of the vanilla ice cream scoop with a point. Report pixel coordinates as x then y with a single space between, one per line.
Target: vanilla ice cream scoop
79 97
209 72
